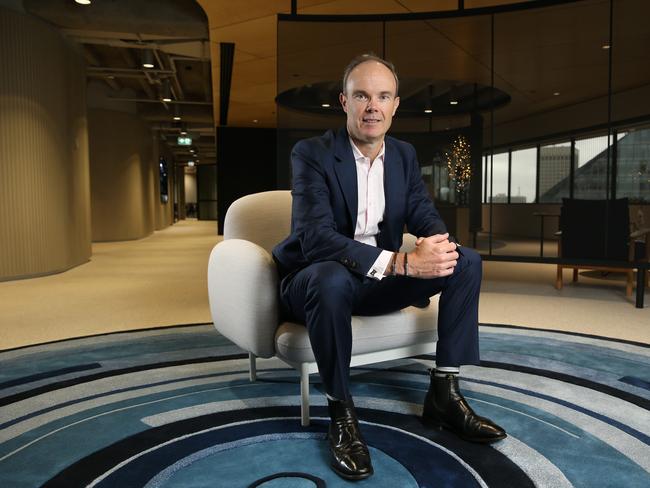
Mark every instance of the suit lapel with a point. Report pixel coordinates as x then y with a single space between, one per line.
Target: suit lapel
346 172
393 194
393 179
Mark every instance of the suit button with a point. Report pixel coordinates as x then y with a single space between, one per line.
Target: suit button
345 261
353 264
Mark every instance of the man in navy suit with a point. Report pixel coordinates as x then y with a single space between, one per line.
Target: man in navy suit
354 191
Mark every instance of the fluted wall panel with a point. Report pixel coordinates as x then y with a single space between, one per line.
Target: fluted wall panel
44 178
123 176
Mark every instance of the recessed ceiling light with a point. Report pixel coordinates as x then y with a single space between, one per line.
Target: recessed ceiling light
606 46
428 111
555 94
453 102
325 105
255 121
183 132
177 117
190 163
83 2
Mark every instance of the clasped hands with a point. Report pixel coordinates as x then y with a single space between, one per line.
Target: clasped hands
433 257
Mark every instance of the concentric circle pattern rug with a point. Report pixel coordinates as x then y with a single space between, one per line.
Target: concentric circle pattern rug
174 408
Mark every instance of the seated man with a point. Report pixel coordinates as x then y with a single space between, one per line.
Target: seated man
354 190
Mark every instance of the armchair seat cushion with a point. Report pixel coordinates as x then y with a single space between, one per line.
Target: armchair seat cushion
403 328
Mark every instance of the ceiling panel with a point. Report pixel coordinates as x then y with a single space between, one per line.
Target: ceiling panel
537 52
255 37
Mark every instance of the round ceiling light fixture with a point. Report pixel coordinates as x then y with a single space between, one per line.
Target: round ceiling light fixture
426 98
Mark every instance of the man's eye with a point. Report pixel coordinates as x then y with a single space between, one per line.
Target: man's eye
360 97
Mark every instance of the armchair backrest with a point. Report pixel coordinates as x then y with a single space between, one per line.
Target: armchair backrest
263 218
595 229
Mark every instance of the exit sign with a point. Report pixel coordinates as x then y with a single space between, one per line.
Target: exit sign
184 141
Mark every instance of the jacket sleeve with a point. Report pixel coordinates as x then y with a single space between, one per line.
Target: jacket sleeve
422 217
313 218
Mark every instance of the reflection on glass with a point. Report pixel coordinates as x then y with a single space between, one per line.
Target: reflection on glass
592 162
633 165
556 81
523 175
486 174
499 180
442 192
554 172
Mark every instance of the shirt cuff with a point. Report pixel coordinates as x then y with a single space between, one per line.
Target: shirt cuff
378 268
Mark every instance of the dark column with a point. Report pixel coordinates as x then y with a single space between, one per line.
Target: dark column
246 163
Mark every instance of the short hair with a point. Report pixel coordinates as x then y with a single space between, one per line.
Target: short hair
362 58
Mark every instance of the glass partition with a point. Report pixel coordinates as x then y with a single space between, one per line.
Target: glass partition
528 92
523 175
593 160
555 162
633 165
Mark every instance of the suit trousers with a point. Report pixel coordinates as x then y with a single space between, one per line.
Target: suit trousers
325 295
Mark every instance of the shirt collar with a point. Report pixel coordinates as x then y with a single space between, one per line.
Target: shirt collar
359 155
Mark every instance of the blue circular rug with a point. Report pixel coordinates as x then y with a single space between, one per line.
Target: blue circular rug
173 407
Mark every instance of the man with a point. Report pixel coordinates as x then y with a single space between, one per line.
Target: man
353 192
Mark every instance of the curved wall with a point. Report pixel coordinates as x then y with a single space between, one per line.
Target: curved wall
44 180
123 176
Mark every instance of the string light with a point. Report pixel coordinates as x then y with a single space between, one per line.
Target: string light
459 163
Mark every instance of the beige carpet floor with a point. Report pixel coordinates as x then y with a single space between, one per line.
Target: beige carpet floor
161 281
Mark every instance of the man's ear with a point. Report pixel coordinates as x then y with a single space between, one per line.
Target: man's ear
344 102
396 105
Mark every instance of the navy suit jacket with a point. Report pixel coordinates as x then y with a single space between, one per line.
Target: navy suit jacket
325 200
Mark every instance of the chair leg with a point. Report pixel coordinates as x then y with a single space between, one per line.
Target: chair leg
252 366
558 279
304 395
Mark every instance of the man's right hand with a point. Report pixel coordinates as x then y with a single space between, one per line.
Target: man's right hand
433 257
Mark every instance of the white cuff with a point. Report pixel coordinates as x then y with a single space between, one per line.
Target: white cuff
378 268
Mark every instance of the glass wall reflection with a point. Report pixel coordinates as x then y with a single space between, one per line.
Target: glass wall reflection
527 90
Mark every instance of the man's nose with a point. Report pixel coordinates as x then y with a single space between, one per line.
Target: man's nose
371 106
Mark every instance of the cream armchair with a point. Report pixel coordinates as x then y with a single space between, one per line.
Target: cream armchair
243 292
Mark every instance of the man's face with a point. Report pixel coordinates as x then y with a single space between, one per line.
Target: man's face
370 101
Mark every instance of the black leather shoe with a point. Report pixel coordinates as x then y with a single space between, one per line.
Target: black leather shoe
445 406
350 456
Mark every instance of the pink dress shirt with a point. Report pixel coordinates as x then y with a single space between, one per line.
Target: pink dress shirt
371 206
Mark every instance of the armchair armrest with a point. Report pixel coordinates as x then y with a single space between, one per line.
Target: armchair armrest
242 288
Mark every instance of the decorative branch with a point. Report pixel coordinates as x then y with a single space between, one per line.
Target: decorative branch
459 163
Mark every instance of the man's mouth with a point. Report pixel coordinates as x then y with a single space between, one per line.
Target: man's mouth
370 121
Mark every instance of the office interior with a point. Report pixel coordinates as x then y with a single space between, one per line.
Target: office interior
127 128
